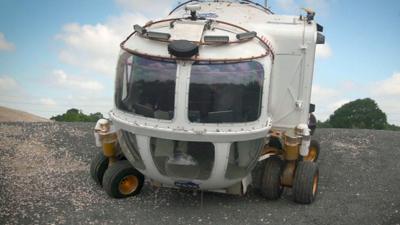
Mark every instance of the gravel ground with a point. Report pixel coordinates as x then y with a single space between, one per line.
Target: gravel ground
44 179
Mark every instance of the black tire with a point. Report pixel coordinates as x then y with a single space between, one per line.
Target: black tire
314 146
98 167
305 183
116 173
257 174
271 187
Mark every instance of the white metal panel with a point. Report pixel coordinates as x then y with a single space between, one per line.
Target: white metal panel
285 90
187 31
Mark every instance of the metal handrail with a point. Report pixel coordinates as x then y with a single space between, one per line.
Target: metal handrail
266 45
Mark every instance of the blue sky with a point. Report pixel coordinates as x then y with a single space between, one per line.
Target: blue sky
55 55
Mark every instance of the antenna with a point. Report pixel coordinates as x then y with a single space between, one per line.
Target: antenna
266 3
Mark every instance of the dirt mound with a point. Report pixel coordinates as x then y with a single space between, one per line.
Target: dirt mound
12 115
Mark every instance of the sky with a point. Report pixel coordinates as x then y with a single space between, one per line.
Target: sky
55 55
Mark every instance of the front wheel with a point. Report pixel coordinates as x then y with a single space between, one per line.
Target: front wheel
305 183
122 180
271 187
98 167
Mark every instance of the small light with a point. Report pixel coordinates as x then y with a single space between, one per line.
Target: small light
216 39
320 28
312 108
158 35
139 29
193 7
320 39
247 35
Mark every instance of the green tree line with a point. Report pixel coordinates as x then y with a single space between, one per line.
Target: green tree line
76 115
359 114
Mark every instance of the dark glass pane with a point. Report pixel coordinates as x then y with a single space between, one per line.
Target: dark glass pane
225 93
130 149
182 159
147 87
243 157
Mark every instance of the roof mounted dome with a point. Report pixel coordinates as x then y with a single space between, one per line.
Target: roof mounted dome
183 49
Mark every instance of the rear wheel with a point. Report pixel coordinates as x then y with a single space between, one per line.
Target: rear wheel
121 180
313 152
271 187
305 184
98 167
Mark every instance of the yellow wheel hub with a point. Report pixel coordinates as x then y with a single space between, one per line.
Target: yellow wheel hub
128 185
312 154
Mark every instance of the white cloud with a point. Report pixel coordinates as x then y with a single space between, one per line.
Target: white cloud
123 25
320 93
47 102
74 82
91 47
387 87
95 48
337 104
7 83
349 85
321 7
288 6
158 8
5 45
323 51
387 93
326 100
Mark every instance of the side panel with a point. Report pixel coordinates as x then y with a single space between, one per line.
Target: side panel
286 91
292 75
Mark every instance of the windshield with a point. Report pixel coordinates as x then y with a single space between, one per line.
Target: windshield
146 87
225 93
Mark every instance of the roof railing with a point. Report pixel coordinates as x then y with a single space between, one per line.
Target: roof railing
242 37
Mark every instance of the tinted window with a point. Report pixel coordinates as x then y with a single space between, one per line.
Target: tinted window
129 147
243 157
182 159
225 93
146 87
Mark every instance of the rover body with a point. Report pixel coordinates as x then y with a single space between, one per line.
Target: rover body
216 97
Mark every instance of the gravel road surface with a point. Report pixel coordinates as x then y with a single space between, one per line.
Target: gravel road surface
44 179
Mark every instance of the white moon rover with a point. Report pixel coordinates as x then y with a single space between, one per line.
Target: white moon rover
214 97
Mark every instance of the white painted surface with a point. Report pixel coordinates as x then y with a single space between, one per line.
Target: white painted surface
286 92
